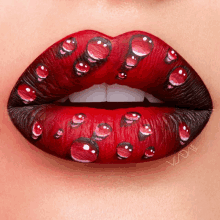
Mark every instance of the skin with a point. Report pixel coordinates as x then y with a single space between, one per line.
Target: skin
36 185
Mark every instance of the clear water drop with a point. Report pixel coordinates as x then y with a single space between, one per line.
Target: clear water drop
131 61
145 131
42 72
59 134
121 76
84 150
184 131
178 76
82 68
171 56
102 131
26 93
98 48
142 45
78 119
149 152
124 150
37 130
69 45
132 116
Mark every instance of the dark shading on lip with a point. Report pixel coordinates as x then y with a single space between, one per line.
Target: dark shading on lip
136 133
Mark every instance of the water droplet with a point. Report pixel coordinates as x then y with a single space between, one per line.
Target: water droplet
26 93
124 150
37 130
171 56
42 72
178 76
130 118
145 131
102 131
149 152
98 48
141 45
69 45
184 131
84 150
59 134
121 76
78 119
82 68
131 61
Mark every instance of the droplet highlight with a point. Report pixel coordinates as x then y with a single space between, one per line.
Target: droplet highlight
26 93
84 150
124 150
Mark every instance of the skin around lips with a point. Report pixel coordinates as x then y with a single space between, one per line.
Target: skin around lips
85 58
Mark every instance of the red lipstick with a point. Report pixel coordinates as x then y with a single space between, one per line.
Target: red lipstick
110 132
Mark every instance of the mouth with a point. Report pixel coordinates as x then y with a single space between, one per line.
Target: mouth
94 98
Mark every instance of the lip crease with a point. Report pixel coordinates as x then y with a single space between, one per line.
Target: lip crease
110 132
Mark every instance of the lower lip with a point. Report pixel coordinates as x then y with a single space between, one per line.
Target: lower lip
165 136
60 131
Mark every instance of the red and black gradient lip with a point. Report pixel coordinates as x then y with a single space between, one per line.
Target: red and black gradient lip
110 132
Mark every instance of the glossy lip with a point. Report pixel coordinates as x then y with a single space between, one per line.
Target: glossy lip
96 135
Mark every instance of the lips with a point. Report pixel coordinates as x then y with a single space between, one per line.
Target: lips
110 132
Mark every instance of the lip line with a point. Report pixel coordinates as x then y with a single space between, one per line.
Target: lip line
110 102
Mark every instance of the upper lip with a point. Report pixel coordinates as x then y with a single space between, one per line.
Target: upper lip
48 87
